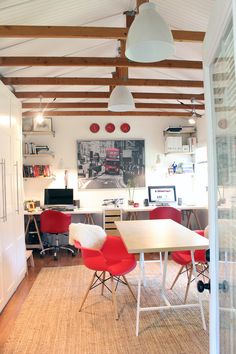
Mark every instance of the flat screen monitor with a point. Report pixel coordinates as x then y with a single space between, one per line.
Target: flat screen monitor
57 197
162 194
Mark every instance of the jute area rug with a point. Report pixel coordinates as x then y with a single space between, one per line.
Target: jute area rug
49 321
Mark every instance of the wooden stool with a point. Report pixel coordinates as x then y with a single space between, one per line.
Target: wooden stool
30 257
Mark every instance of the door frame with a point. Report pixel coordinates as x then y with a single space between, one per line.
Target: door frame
223 12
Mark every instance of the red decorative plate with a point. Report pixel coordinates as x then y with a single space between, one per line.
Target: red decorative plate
94 128
110 127
125 127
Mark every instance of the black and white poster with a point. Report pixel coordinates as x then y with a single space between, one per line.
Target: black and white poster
110 163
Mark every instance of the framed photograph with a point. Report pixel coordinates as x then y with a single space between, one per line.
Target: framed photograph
27 124
110 164
45 126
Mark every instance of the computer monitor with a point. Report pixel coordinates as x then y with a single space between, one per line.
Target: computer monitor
58 197
162 194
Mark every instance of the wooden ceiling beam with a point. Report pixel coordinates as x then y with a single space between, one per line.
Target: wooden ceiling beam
81 94
99 81
120 62
7 31
108 113
140 2
104 105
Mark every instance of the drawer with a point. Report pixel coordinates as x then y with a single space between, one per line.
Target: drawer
112 212
112 218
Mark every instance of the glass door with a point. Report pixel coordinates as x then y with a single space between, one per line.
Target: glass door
220 83
224 93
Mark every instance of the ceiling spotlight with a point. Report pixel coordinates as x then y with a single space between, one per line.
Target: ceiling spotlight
193 119
121 100
39 117
149 38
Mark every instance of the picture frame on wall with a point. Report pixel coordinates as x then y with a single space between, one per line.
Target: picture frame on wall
27 124
45 126
111 163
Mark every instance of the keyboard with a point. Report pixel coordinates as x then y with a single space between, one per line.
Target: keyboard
59 209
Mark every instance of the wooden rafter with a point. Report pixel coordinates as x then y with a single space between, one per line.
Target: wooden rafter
85 32
101 62
104 105
140 2
98 81
81 94
108 113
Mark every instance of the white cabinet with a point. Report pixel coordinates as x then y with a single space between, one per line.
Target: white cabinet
12 243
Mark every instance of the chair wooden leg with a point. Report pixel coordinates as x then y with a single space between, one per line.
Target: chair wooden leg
114 297
126 281
176 278
87 291
189 282
103 279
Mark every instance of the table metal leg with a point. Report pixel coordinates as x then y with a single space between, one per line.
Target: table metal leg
164 280
141 265
199 295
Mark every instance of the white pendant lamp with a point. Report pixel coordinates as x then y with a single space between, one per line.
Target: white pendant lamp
149 37
121 100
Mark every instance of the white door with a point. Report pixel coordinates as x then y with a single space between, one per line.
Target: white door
220 98
7 248
17 189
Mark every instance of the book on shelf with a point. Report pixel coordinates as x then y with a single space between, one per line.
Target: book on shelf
31 171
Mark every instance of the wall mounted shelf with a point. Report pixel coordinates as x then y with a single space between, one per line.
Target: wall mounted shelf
25 133
39 178
38 155
179 153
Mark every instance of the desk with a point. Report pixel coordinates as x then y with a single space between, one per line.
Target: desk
188 210
31 218
144 236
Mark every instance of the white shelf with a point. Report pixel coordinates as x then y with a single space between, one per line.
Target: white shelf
38 155
179 153
39 177
25 133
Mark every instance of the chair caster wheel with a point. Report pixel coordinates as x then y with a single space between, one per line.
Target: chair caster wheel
42 255
73 254
55 257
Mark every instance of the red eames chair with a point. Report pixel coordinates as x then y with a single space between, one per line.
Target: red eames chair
110 256
184 259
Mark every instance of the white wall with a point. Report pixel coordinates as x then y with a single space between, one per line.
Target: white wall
70 129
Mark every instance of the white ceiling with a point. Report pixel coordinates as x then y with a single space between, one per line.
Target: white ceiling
179 14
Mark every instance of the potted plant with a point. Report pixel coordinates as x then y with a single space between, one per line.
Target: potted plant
131 188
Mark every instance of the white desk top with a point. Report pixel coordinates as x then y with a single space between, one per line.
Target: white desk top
125 209
72 212
151 207
159 236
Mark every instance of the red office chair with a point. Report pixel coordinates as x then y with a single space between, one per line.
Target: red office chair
113 258
165 212
55 222
184 259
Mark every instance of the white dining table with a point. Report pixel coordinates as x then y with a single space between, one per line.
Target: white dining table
145 236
